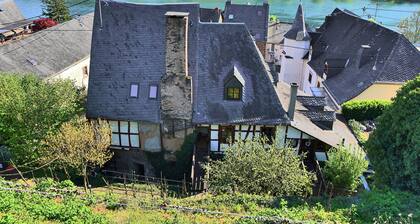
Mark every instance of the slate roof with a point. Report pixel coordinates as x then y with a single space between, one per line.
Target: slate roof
254 16
387 57
130 47
210 15
299 30
222 47
315 101
9 13
301 121
49 51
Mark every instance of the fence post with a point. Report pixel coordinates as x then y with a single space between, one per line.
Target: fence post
133 184
125 183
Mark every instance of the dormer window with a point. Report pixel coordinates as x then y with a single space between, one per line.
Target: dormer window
233 93
234 84
134 90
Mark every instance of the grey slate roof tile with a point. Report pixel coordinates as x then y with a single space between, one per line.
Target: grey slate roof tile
254 16
49 51
210 15
391 57
299 30
130 47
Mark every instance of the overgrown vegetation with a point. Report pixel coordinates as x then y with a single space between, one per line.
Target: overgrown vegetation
31 108
255 167
182 166
344 167
394 147
111 206
361 110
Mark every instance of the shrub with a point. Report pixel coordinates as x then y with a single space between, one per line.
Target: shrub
358 132
384 205
394 146
362 110
344 167
43 23
255 168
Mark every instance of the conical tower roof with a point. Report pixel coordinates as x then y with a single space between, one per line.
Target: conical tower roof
298 30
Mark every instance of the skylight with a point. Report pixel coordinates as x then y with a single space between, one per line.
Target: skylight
134 90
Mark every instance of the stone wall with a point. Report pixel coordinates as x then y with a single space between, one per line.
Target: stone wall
176 85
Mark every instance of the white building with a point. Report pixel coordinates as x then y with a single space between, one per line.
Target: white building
61 51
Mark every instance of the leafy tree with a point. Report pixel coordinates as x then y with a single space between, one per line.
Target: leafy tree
256 168
56 10
394 147
80 144
410 27
344 167
30 108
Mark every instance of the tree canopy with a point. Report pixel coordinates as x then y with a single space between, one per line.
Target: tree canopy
394 147
410 27
79 144
56 10
31 108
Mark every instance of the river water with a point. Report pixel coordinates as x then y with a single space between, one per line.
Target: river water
388 12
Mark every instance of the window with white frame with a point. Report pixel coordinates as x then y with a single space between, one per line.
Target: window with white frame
153 91
134 90
125 134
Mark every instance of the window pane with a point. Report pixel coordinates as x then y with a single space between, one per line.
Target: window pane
115 139
114 126
124 140
124 126
134 90
134 127
153 92
135 141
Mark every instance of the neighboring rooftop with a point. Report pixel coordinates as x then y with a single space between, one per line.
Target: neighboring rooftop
210 15
276 31
49 51
9 13
254 16
353 62
299 30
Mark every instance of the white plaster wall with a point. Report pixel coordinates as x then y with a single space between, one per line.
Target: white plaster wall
292 69
306 86
75 73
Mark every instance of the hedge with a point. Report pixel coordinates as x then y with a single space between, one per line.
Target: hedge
362 110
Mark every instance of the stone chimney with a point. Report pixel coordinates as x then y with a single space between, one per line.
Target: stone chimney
292 102
176 85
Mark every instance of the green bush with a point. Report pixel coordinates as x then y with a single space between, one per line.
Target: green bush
394 147
21 207
357 130
389 205
362 110
46 184
255 168
344 167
